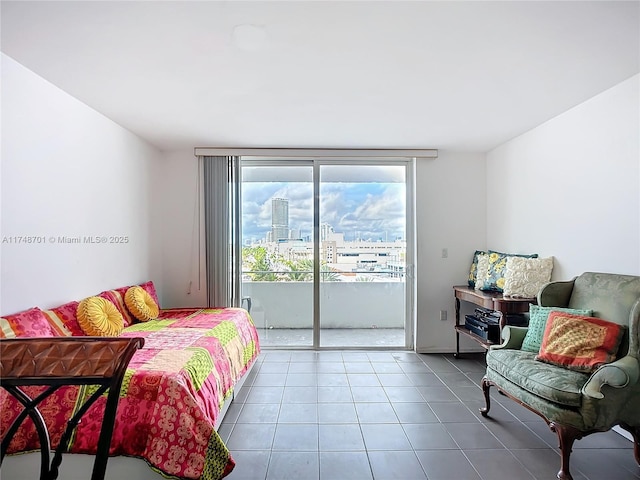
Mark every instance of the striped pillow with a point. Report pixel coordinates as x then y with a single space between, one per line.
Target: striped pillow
64 318
28 323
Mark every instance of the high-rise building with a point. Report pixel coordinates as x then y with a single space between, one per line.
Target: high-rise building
279 219
325 231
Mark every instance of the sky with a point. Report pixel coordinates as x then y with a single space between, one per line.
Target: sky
373 211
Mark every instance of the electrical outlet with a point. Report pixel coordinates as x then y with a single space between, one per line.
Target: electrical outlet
445 253
443 315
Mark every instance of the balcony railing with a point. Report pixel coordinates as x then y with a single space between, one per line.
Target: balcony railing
343 304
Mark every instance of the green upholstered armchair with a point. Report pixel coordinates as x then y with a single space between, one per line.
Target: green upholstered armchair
576 404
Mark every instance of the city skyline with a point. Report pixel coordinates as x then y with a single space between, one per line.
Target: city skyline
361 211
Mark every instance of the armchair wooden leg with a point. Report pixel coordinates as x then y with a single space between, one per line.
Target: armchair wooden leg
635 433
486 384
566 437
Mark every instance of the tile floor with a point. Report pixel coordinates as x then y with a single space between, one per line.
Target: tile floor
340 415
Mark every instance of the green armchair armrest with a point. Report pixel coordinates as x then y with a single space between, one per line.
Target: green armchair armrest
512 337
618 374
556 294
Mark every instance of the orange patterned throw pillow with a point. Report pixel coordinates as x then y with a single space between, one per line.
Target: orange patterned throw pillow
99 317
579 343
141 304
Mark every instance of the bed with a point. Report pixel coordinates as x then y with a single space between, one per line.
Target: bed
174 394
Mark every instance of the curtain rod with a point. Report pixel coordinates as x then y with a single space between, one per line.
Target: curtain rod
324 152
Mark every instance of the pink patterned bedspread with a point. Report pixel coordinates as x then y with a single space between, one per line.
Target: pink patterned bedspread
170 398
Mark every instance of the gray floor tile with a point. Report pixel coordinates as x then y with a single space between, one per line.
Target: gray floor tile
340 438
270 379
457 379
472 436
429 436
276 356
252 436
345 466
299 413
250 464
407 357
381 357
301 380
303 367
376 413
543 463
294 466
232 413
369 394
305 394
349 357
414 413
497 465
363 380
456 412
396 465
295 438
438 363
259 413
415 367
265 395
274 367
468 393
334 394
498 414
604 464
332 380
608 439
359 367
330 367
403 394
437 394
224 430
388 368
337 413
425 380
446 465
394 379
516 435
384 437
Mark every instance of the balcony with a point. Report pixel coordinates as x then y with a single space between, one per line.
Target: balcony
353 314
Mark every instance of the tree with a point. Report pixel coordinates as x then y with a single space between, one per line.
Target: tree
259 264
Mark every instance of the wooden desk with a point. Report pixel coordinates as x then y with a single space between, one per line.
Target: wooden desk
492 300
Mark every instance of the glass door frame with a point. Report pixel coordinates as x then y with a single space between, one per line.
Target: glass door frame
316 162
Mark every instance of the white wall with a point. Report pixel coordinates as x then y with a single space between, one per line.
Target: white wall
69 171
183 273
451 214
570 187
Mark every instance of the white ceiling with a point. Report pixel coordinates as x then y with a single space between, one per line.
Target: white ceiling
450 75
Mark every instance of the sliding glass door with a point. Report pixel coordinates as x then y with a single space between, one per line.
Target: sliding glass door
325 251
363 247
277 250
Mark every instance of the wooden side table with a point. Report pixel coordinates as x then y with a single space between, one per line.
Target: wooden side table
57 361
491 300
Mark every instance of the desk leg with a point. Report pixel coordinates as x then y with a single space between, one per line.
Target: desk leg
457 354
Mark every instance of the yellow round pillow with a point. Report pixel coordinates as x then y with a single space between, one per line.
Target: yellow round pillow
141 304
99 317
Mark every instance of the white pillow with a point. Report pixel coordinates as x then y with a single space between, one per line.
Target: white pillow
482 270
524 277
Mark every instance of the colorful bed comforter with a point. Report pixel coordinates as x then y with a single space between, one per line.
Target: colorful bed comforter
170 398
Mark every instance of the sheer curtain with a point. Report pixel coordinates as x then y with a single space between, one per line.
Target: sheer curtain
222 229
